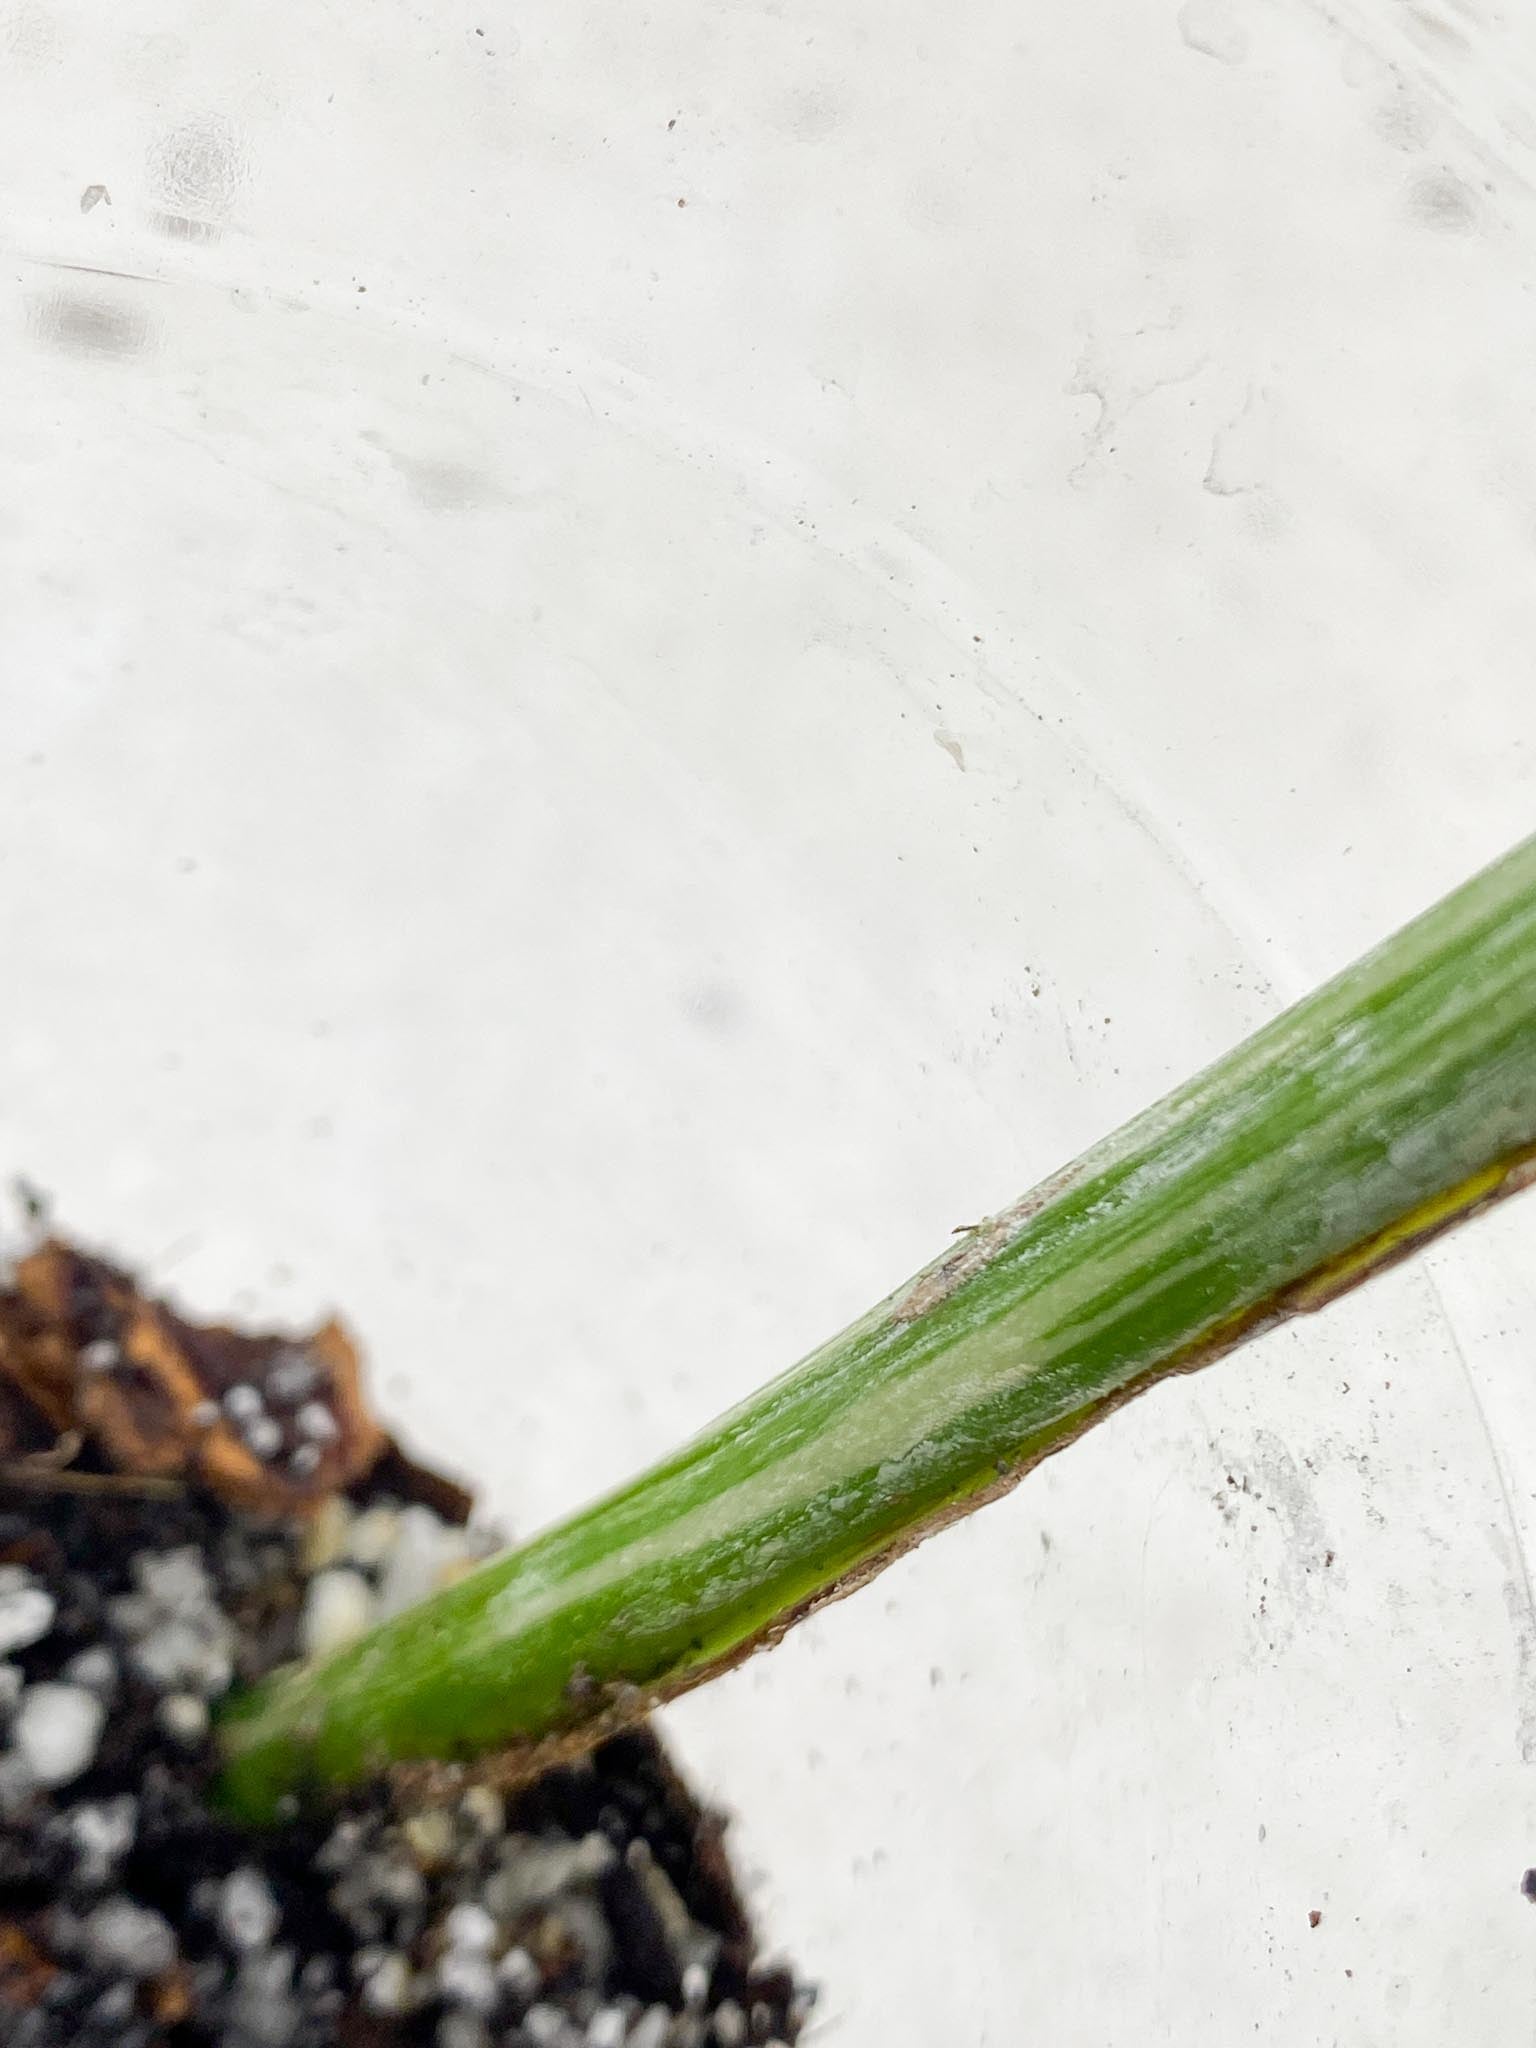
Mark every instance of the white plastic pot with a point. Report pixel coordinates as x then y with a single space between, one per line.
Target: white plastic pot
648 656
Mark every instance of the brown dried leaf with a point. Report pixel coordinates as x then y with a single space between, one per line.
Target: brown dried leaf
271 1423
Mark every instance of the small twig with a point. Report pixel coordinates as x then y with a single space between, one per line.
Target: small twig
63 1451
28 1478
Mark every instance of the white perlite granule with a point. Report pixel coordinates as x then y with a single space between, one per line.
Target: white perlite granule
56 1730
119 1935
338 1608
247 1911
26 1611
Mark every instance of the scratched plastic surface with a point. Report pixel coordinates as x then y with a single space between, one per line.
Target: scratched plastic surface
649 658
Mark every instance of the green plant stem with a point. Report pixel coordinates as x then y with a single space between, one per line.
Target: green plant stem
1394 1101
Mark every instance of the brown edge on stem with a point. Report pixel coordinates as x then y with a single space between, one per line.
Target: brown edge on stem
983 1242
625 1705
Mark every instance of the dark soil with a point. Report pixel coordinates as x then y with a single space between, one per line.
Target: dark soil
594 1910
